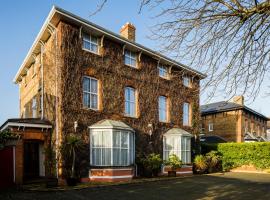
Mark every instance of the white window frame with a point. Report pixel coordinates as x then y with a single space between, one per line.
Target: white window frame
163 70
91 93
186 81
131 102
211 127
188 115
176 151
89 40
131 152
128 55
163 109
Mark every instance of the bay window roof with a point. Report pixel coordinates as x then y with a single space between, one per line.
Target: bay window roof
178 131
111 124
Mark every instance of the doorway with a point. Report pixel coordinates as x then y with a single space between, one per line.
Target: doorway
31 160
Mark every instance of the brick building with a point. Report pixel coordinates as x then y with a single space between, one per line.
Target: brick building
122 98
233 121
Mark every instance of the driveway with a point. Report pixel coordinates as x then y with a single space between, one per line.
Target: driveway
228 186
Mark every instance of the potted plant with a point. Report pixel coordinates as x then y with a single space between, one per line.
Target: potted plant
152 165
200 164
173 163
73 143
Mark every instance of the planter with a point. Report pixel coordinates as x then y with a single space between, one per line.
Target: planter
51 182
171 173
71 181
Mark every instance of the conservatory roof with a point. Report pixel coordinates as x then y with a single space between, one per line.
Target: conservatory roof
108 123
178 131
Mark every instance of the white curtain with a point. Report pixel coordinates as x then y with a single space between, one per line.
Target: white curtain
112 148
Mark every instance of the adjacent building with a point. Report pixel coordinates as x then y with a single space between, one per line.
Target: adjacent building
123 99
233 121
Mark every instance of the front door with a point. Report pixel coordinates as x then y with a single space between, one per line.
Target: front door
31 160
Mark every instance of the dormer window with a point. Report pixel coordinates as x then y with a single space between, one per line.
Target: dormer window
163 71
90 43
186 81
130 58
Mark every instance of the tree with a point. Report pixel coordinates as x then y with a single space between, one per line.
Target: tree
227 39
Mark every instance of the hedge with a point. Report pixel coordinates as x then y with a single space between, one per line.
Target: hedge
238 154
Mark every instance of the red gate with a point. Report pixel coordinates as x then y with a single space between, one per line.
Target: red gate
6 167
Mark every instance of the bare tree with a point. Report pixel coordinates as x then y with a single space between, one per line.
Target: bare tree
227 39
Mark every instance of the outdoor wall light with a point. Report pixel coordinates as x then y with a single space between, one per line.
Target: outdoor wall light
75 126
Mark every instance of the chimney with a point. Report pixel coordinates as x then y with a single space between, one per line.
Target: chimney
239 100
128 31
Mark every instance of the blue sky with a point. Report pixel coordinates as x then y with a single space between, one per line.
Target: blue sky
21 21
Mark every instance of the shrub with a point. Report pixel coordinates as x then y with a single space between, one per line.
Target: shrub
174 162
200 163
238 154
152 163
213 159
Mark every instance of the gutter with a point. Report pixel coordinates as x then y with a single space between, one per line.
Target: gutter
103 31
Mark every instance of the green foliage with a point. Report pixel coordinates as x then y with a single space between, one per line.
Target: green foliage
6 135
174 162
213 161
50 162
200 163
152 161
238 154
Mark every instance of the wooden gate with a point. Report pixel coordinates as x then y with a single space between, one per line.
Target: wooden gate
6 167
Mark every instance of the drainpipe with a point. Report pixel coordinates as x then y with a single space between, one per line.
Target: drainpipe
53 30
42 79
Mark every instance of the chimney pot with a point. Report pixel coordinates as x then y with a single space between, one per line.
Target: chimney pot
238 100
128 31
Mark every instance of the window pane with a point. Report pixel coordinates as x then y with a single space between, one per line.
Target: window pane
124 157
94 101
127 60
130 101
94 39
94 86
117 157
94 47
86 84
116 139
86 100
106 156
124 139
186 117
162 108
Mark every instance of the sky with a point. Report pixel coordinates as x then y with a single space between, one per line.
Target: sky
20 22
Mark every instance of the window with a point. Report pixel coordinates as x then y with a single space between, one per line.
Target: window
186 81
162 108
34 107
130 102
111 147
163 71
186 114
90 93
90 43
210 127
178 145
130 58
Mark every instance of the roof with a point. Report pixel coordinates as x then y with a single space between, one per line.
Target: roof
26 122
178 131
212 139
56 14
112 124
223 106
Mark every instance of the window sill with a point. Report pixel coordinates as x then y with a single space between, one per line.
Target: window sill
85 108
164 122
133 117
93 52
166 78
131 66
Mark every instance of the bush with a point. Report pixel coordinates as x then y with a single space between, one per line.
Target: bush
213 159
200 163
238 154
152 164
174 162
207 147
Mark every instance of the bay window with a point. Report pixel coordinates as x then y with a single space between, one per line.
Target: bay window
90 93
111 146
178 144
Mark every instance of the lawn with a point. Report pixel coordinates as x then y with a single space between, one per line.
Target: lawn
217 186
